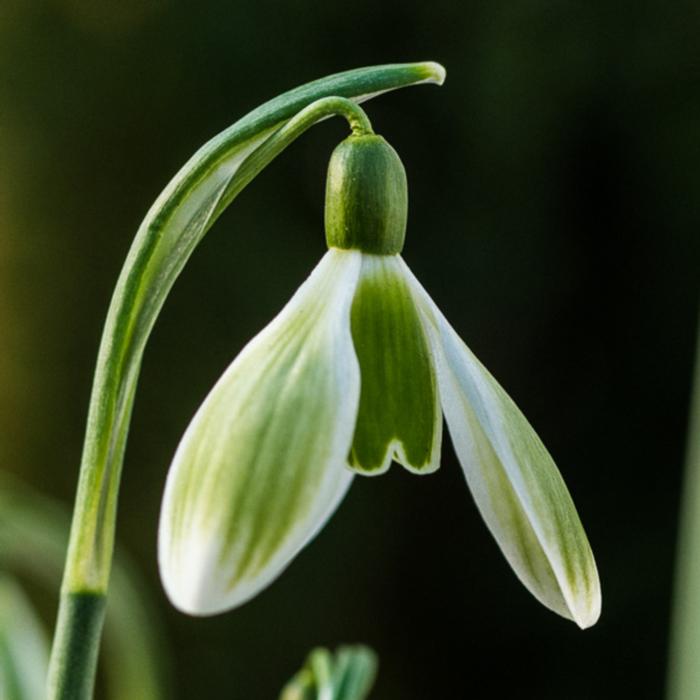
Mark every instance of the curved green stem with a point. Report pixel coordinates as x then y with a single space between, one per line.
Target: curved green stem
173 227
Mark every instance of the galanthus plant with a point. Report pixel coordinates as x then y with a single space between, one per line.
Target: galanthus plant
355 372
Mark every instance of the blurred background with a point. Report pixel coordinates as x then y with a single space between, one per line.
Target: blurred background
554 217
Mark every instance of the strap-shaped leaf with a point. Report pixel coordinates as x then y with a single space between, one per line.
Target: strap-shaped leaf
346 675
24 646
33 539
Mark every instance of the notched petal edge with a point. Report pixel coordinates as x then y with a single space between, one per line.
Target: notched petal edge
399 416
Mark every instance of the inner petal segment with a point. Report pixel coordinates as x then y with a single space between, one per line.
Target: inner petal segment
399 416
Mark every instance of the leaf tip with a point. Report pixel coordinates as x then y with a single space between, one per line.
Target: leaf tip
434 72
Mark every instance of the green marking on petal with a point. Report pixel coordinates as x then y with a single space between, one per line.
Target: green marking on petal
399 416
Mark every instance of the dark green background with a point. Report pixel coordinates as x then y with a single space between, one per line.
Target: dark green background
554 216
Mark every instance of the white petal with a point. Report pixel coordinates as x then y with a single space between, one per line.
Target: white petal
514 481
261 466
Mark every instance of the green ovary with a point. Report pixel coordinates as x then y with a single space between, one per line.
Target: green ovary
398 396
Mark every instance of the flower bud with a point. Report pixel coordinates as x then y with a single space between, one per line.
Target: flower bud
366 197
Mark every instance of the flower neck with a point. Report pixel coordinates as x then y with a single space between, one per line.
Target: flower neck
366 197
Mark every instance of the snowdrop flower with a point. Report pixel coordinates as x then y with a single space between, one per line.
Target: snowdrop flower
354 373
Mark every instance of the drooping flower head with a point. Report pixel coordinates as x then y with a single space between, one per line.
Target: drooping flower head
354 373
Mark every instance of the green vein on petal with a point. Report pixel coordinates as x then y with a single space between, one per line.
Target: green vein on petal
399 416
261 466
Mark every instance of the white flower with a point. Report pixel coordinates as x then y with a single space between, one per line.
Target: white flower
356 371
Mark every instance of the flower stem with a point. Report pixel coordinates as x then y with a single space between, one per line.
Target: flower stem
173 227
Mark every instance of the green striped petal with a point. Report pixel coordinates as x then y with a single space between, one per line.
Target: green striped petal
514 481
24 646
261 466
399 415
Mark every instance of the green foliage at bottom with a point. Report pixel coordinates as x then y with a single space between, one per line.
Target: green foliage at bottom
346 675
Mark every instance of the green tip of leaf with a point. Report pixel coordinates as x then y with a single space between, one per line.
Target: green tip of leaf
434 72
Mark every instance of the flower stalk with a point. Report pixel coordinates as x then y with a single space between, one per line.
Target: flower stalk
173 227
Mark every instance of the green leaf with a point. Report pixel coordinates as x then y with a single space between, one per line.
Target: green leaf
347 675
354 672
399 416
33 539
24 646
683 668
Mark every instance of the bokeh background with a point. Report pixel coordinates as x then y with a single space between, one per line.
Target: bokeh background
554 216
